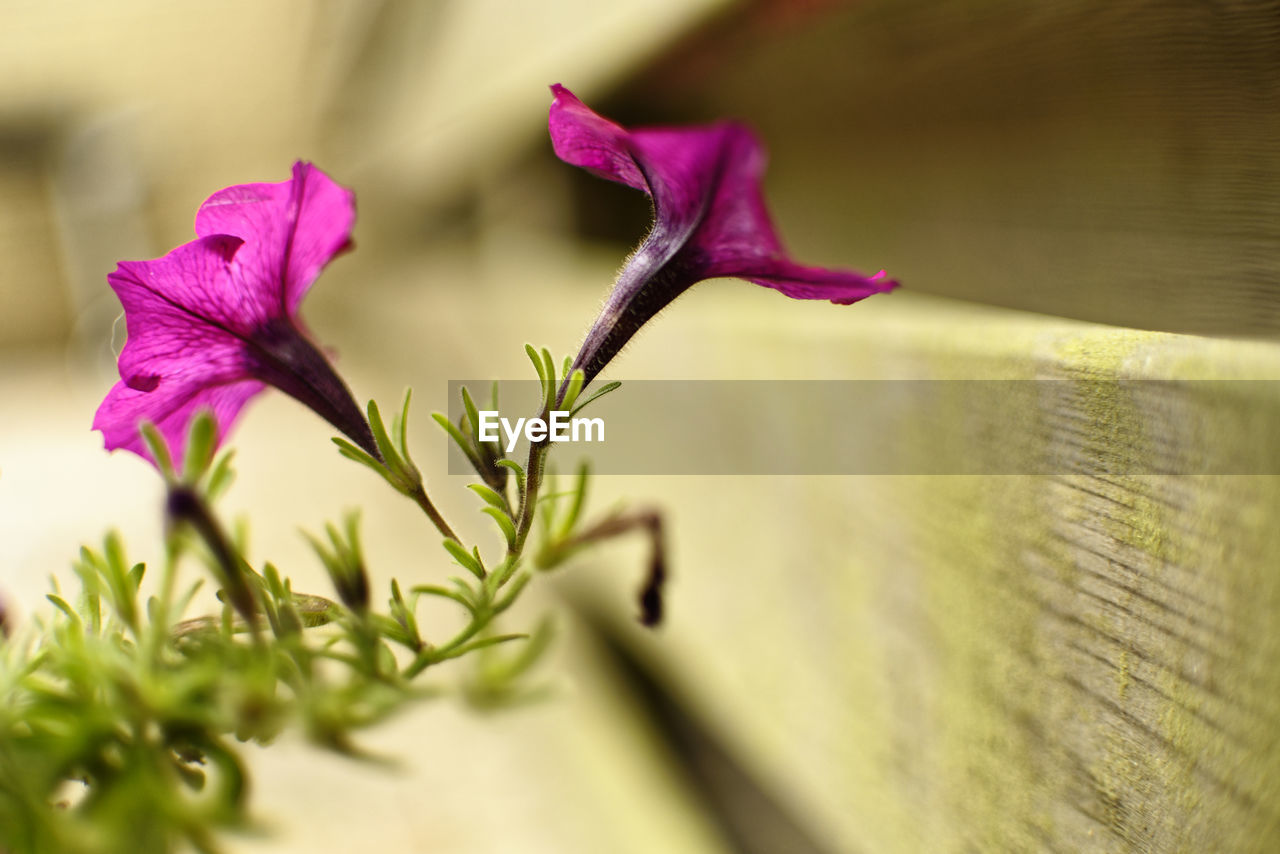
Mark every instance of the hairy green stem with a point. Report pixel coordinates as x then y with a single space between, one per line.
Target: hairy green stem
529 501
419 496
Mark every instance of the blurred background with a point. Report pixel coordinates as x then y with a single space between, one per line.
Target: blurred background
1025 169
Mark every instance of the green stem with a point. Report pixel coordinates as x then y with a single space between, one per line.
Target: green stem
160 628
529 501
440 653
419 496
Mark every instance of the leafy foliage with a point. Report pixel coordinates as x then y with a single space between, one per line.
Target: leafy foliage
121 716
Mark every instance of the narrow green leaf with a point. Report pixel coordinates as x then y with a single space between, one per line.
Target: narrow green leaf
202 440
489 495
599 393
240 534
380 436
518 664
513 593
339 546
458 437
473 414
291 621
386 660
518 471
545 510
351 452
400 426
274 584
61 605
464 558
537 363
355 549
464 587
509 569
158 447
403 614
504 522
445 593
550 382
184 601
113 551
481 644
576 381
390 628
153 610
220 476
92 607
579 499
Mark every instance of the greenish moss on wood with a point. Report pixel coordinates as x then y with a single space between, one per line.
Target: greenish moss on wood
953 663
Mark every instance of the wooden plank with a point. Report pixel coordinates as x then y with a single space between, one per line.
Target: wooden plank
983 663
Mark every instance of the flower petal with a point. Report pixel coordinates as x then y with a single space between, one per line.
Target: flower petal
171 406
183 350
183 310
705 188
842 287
197 325
291 229
213 322
710 219
681 169
583 138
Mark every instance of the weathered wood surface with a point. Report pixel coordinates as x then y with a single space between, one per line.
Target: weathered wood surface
987 663
1111 161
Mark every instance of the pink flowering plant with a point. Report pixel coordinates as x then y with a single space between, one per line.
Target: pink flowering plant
214 322
709 220
120 714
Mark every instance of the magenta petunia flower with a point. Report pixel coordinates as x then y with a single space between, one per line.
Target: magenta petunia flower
709 219
215 321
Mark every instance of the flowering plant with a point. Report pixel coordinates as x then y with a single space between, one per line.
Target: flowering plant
135 703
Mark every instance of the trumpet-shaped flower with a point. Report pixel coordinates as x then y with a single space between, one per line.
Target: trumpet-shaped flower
214 322
709 219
